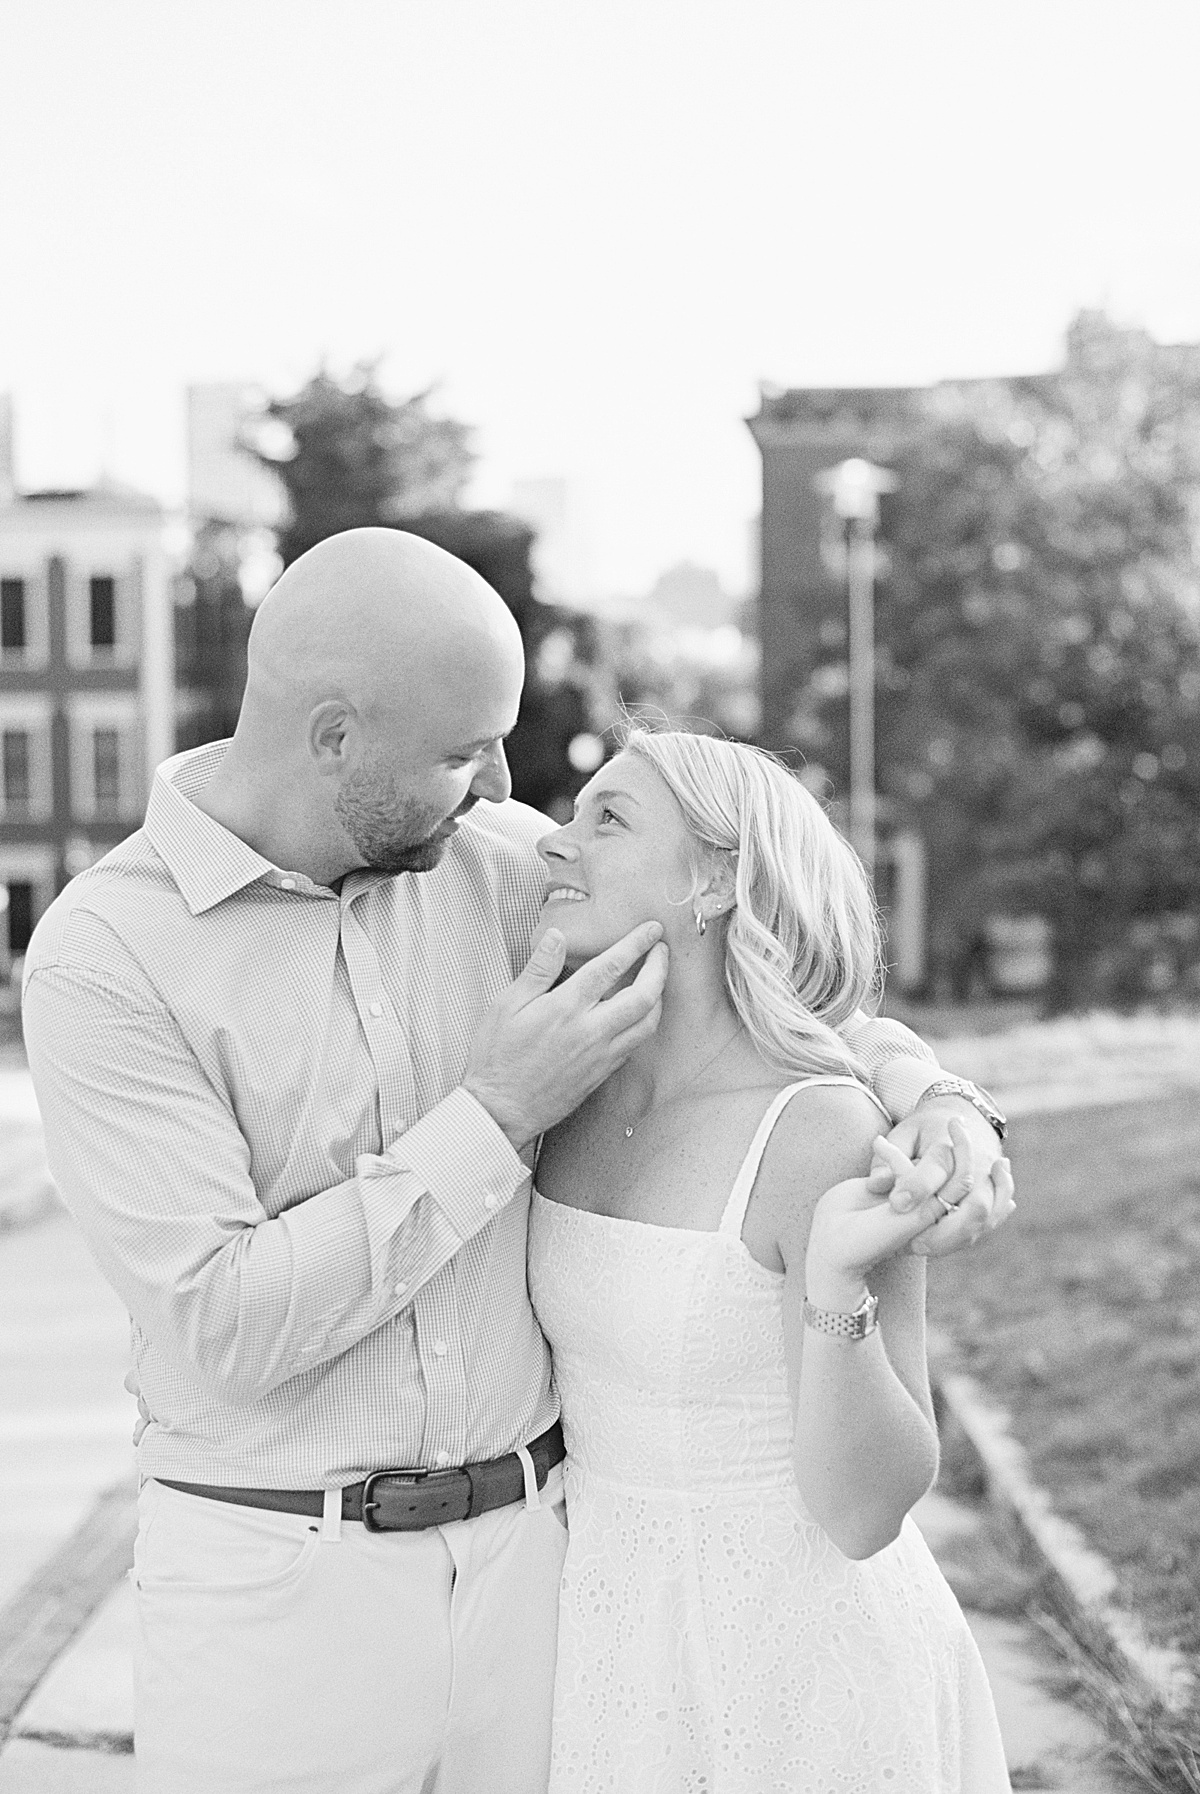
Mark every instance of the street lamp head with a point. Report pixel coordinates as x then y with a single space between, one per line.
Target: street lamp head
855 486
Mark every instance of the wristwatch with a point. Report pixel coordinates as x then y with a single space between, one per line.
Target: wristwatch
971 1093
843 1326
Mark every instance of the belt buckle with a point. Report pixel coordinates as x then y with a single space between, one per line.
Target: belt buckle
424 1498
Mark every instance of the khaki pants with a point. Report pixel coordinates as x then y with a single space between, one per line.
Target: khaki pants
276 1652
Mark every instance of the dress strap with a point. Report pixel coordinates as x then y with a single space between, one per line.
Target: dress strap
733 1220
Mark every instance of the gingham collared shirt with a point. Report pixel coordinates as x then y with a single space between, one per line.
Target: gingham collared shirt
250 1087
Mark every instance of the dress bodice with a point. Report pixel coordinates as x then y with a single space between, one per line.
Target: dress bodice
689 1389
667 1341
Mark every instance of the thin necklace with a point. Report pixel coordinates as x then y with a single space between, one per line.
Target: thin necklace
687 1083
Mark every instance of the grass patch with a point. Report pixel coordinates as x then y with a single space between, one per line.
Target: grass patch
1082 1317
1156 1750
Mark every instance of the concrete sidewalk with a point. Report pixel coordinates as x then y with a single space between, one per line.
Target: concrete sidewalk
67 1734
1051 1746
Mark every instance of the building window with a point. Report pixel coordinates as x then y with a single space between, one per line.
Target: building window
106 771
102 598
12 615
16 769
20 915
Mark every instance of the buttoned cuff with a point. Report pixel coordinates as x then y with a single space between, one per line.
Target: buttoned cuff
902 1082
465 1162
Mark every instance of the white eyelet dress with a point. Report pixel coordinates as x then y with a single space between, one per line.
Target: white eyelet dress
713 1640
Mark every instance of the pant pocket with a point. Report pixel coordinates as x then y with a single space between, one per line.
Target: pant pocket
189 1544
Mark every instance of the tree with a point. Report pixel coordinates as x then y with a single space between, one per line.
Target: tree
212 624
560 647
1039 695
354 457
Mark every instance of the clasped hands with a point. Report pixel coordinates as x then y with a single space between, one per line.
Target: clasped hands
944 1192
944 1153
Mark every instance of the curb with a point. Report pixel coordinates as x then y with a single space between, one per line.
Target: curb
1089 1581
44 1616
27 1191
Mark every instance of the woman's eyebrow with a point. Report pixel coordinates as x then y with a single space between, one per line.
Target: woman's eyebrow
600 797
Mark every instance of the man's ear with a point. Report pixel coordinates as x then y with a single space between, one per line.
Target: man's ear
331 730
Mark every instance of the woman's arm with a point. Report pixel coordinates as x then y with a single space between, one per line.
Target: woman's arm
866 1444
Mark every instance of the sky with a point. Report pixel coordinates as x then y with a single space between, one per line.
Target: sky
593 227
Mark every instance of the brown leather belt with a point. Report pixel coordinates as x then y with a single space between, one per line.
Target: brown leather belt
408 1500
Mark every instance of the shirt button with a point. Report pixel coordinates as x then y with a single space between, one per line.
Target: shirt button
287 884
441 1459
400 1289
491 1200
440 1348
375 1008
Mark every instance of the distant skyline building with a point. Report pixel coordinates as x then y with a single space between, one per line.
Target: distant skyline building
8 450
550 507
87 684
225 483
692 597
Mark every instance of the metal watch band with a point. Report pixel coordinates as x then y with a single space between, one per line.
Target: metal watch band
971 1093
841 1325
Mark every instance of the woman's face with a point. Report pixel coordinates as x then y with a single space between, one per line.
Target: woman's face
625 858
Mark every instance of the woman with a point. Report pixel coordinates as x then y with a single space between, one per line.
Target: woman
745 1606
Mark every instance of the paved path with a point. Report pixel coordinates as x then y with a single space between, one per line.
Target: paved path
65 1426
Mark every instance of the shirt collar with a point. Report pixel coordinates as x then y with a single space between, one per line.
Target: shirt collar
207 861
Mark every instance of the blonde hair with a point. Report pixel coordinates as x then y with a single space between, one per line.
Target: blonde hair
803 946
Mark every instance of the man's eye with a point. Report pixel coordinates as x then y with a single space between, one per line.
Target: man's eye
607 815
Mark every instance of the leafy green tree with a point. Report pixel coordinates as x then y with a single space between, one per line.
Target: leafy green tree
212 625
556 704
1040 662
354 458
1038 670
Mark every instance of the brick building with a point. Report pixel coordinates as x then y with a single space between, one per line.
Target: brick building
802 604
87 685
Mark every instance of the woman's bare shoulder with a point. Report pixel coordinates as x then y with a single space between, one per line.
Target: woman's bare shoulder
823 1136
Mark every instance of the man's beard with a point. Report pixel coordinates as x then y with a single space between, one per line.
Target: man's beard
393 832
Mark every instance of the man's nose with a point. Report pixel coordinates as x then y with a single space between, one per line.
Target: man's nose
493 780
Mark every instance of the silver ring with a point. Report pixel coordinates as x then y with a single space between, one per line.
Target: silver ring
948 1206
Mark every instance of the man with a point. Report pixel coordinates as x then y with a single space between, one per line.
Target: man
292 1074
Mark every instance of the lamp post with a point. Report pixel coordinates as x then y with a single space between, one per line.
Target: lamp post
854 487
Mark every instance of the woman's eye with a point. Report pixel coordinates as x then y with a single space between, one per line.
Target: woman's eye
607 815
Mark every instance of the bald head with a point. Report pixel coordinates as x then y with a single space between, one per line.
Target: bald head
377 617
383 676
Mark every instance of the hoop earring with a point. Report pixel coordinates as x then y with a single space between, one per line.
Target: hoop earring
701 924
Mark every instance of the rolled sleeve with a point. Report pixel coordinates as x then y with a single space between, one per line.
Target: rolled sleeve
900 1065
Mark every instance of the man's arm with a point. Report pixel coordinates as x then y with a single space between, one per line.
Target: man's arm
900 1065
151 1162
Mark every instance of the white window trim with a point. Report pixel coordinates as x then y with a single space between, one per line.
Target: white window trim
26 866
36 652
100 711
31 713
80 653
